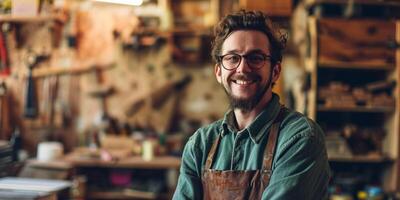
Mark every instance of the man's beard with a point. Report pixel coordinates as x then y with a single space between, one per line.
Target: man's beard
248 104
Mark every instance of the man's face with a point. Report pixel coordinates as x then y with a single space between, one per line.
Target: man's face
248 84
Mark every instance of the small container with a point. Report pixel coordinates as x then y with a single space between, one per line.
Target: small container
148 150
48 151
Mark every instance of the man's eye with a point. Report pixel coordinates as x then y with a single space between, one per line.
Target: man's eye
255 58
232 58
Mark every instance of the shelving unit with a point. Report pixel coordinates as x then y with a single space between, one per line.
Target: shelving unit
367 2
356 56
355 65
362 109
83 164
361 159
74 70
27 19
124 195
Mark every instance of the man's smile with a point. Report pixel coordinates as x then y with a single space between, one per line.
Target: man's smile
243 82
245 79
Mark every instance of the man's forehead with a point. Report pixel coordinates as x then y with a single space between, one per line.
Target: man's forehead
251 51
245 41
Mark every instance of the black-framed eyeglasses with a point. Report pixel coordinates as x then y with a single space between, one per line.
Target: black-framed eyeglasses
232 61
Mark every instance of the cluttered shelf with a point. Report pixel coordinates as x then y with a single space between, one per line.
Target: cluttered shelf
83 158
370 65
363 109
160 162
366 2
126 194
56 164
361 159
22 19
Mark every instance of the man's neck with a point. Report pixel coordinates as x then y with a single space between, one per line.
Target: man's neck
245 118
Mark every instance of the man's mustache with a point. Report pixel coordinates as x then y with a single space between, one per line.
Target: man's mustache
249 76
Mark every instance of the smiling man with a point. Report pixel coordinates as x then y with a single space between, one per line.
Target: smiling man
260 149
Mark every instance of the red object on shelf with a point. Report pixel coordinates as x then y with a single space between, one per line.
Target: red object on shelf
4 60
120 177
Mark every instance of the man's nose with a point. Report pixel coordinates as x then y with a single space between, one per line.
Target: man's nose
243 66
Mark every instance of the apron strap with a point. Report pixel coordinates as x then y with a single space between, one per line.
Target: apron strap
210 156
269 151
271 146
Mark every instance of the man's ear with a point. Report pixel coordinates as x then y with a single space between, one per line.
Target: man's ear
276 72
217 71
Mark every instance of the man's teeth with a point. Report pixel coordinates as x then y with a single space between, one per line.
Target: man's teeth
241 82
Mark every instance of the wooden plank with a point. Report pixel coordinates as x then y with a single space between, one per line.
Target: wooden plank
126 195
80 158
364 2
26 195
27 19
311 67
358 40
74 70
361 159
161 162
356 65
322 108
31 184
396 131
56 164
271 7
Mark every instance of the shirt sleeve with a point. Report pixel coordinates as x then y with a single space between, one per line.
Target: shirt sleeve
189 182
301 169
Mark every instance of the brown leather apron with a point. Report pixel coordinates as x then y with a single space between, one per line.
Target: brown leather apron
240 184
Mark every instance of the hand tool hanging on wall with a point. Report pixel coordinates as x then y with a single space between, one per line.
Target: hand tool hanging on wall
4 57
109 124
159 96
31 103
51 112
5 123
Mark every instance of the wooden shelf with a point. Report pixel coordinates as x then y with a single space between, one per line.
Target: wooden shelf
161 162
26 19
126 194
75 70
322 108
355 65
56 164
330 47
82 157
358 2
361 159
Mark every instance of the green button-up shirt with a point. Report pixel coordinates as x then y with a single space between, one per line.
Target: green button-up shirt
300 166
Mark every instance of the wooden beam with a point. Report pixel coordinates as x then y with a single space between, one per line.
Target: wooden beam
74 70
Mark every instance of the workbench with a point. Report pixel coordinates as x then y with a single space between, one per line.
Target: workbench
84 162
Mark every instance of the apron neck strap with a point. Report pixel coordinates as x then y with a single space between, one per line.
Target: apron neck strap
272 142
269 150
211 154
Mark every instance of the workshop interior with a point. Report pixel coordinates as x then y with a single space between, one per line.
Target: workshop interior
99 97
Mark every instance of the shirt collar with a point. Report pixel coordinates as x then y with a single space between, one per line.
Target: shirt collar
257 128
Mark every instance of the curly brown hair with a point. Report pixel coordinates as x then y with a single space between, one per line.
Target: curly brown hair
248 20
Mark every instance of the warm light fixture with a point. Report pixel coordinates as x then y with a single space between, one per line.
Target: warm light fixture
124 2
